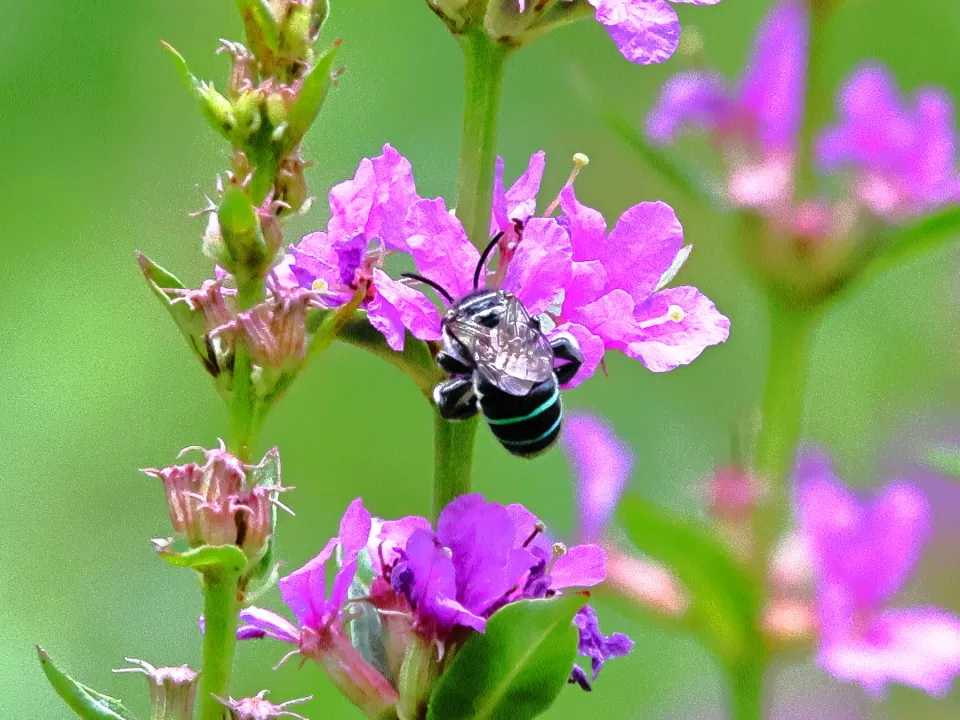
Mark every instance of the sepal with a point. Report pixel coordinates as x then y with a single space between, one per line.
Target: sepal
190 321
216 109
206 558
84 701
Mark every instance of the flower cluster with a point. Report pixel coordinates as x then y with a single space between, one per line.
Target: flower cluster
432 587
606 289
901 155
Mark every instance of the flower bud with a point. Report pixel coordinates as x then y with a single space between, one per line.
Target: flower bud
238 226
243 75
172 689
214 504
258 708
291 184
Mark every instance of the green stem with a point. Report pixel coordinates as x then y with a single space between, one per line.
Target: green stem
243 406
817 102
791 335
220 608
452 459
484 61
747 690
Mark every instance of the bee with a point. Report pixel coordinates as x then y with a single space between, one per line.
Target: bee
502 365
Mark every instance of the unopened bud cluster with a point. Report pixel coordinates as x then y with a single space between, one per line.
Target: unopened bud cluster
221 502
277 84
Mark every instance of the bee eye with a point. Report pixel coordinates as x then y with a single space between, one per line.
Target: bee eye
489 320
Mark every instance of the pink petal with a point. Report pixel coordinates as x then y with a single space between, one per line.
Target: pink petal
389 536
354 534
609 317
918 647
274 625
521 198
642 247
351 201
440 247
542 265
591 346
587 282
395 193
586 226
303 590
386 318
524 522
580 566
645 31
601 464
417 313
667 345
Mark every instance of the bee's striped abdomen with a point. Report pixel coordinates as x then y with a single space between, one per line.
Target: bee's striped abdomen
525 425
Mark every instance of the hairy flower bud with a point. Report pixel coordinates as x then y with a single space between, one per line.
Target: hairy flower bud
258 708
223 501
172 689
275 331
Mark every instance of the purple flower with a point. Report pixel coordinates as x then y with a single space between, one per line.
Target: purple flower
616 298
756 124
367 215
483 556
862 555
596 646
645 31
902 154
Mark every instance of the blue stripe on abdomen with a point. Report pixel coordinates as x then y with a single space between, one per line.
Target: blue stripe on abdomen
525 425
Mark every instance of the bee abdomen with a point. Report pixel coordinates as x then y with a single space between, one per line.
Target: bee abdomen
525 425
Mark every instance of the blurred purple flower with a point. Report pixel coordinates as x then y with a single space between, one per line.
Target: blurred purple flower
617 297
601 463
862 555
756 124
903 155
645 31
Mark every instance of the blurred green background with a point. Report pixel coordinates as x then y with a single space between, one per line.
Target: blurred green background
102 153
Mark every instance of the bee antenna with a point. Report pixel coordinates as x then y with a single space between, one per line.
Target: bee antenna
483 258
431 283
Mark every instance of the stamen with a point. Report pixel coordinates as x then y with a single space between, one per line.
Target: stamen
674 313
579 161
538 528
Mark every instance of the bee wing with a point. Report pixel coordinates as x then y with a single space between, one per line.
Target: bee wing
514 356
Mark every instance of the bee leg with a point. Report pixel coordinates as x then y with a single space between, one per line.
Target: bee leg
452 364
455 399
565 347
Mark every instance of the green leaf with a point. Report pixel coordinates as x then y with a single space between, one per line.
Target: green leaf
725 606
514 670
191 323
229 558
216 109
84 701
945 460
316 85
